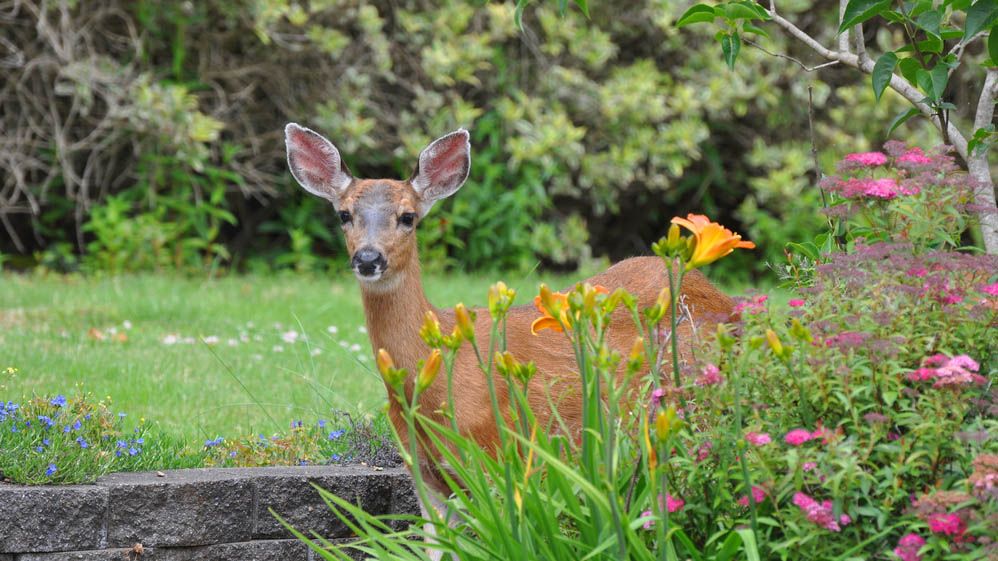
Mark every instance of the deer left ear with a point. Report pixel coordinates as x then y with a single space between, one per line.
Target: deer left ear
442 169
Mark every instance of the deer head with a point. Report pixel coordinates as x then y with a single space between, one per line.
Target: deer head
379 216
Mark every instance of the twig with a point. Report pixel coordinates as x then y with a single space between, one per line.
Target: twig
790 58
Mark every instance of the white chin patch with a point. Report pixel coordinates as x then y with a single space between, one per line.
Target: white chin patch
367 278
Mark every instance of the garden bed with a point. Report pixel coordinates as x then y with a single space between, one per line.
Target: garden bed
191 514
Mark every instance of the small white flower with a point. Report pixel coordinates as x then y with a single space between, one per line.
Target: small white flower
278 349
188 340
256 357
355 348
344 344
362 358
232 342
278 326
112 330
211 340
250 324
170 339
315 352
362 329
258 338
289 336
126 324
333 330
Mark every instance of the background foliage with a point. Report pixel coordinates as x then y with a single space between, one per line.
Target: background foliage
140 135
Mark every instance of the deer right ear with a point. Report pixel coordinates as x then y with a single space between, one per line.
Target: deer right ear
315 163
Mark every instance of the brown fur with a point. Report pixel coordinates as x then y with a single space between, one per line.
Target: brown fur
395 316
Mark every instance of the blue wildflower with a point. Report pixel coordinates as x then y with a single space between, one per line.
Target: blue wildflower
39 449
140 440
82 442
336 434
335 457
122 444
46 442
214 442
232 454
133 451
51 470
87 416
121 415
58 401
47 421
322 423
66 428
296 424
77 425
117 453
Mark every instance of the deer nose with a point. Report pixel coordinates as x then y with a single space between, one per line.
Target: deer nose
369 261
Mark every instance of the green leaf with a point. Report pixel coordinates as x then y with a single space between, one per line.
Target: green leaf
699 13
583 6
993 47
858 11
900 119
924 81
750 28
980 16
739 11
882 72
909 67
730 45
929 22
940 76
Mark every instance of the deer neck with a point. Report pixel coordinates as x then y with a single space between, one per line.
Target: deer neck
394 316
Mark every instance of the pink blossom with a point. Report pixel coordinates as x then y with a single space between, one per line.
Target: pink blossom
796 303
908 547
808 466
752 306
870 159
758 495
758 438
914 156
960 370
672 504
819 513
885 188
990 289
703 451
711 376
844 519
947 524
797 437
918 272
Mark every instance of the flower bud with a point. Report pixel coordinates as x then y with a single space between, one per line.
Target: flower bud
665 422
637 356
385 362
429 370
465 321
799 332
429 332
774 343
500 299
724 338
548 301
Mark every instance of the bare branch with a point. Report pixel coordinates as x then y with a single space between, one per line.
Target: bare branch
844 36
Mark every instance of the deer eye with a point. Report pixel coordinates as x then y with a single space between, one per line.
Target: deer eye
407 219
345 217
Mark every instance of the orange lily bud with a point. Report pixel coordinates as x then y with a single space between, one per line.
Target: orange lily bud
429 332
429 371
465 321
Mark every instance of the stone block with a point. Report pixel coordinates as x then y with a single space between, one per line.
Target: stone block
37 519
185 508
289 492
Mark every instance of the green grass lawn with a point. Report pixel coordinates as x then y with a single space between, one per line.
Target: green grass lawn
203 358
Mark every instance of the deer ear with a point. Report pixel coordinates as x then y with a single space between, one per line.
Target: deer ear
315 163
442 169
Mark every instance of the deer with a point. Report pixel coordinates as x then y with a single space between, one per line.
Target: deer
379 218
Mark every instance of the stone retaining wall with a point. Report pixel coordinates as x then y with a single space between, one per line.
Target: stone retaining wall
194 514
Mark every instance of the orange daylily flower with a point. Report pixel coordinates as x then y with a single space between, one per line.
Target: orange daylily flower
712 241
554 306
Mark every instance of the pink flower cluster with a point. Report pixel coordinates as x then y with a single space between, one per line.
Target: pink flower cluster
944 371
867 159
752 306
914 157
820 513
758 495
672 504
885 188
711 376
947 524
796 303
908 547
990 289
758 438
797 437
